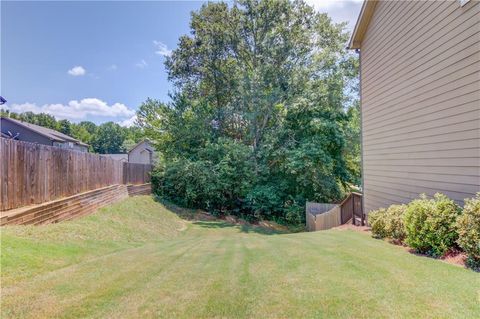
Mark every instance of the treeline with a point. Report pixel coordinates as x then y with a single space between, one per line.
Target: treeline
264 116
106 138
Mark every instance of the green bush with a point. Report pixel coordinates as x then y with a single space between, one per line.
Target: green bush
218 181
468 227
183 181
376 220
394 226
430 224
388 222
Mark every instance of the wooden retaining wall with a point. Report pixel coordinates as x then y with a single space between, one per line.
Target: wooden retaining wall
65 208
34 173
71 207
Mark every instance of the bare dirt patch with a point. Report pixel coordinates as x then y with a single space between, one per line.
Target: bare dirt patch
349 226
454 257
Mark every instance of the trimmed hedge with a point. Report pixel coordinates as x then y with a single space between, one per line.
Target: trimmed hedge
376 220
430 224
468 227
394 225
388 222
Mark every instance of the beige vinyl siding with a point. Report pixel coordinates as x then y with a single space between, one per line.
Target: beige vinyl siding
420 69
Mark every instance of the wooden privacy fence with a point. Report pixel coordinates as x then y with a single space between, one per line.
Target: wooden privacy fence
352 209
134 173
34 173
321 216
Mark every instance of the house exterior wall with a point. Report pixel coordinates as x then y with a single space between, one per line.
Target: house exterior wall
24 134
420 92
141 154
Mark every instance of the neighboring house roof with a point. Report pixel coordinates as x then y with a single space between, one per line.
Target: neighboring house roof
361 26
49 133
117 157
140 143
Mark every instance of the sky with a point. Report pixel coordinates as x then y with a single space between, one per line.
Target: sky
99 60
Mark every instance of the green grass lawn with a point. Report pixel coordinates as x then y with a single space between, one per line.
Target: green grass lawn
137 259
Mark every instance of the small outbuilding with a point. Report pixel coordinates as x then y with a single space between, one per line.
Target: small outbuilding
142 153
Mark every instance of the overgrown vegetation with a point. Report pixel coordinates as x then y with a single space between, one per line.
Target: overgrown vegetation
107 138
262 118
468 226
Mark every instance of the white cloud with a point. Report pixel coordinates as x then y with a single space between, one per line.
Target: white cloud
77 71
339 10
128 122
77 110
324 4
161 48
113 67
142 64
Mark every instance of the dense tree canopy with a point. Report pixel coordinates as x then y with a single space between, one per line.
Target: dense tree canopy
262 118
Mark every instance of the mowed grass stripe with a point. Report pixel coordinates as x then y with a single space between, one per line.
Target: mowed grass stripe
82 290
180 269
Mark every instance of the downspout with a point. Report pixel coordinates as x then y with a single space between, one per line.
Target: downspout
361 131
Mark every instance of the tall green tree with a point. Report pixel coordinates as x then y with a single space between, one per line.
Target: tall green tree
45 120
64 126
353 135
267 85
90 127
108 138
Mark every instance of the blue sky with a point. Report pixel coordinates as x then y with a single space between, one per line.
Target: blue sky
95 60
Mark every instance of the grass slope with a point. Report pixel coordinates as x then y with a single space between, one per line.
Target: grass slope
137 259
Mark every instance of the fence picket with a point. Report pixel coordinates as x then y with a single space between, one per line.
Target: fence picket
33 174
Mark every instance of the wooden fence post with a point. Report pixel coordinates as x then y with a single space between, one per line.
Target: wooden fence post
353 209
32 173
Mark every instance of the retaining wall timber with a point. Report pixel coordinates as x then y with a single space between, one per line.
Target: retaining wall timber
67 208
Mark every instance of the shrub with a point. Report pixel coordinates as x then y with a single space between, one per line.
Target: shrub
376 219
430 224
388 222
468 227
217 181
394 226
186 182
